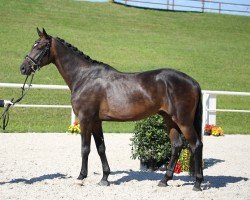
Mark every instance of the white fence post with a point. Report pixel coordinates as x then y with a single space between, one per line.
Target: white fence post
205 114
209 102
73 117
212 109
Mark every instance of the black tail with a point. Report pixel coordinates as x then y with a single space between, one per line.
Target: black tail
198 117
198 129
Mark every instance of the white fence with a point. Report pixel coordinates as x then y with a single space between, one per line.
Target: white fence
209 99
36 86
216 6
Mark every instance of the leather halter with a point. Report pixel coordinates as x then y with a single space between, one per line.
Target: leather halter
35 63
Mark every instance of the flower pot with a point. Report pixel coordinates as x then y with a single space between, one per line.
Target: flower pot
150 165
207 133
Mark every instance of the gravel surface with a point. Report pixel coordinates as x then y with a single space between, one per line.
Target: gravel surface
45 166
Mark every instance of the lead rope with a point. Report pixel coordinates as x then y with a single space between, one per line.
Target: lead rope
6 116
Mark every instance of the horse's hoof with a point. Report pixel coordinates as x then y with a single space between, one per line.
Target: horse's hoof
162 184
197 188
78 182
81 177
103 183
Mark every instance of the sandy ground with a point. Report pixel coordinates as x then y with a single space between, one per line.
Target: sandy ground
45 166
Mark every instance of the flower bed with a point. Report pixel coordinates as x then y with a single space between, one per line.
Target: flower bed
213 130
183 162
75 128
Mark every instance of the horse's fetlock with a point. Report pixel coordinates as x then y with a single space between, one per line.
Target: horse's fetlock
106 171
169 174
199 144
199 177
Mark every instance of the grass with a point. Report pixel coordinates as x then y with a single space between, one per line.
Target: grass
212 48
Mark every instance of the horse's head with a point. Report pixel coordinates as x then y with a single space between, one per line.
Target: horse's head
39 54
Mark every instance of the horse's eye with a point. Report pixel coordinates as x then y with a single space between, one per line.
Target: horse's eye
40 47
35 45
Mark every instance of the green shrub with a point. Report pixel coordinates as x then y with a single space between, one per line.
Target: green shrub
150 142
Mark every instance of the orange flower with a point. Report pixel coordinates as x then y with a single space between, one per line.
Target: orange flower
76 123
208 129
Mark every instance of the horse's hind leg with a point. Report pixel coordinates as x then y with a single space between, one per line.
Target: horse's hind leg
196 148
100 146
176 147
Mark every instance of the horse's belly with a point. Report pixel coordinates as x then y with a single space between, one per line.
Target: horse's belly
127 112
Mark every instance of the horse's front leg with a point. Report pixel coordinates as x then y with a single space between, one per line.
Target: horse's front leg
85 148
100 146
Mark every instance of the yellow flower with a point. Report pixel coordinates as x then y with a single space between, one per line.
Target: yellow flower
74 128
217 131
184 159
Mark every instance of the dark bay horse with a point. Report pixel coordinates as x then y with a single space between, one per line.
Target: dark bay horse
101 93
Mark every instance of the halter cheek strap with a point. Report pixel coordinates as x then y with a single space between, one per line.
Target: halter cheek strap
35 64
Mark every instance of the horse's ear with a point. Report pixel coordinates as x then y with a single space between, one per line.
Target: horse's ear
44 33
40 34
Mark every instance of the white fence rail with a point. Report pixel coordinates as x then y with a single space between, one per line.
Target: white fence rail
209 100
35 86
38 86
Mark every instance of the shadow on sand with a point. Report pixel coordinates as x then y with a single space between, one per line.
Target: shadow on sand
129 175
37 179
209 162
209 181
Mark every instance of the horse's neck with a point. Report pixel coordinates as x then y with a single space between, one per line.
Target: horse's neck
68 64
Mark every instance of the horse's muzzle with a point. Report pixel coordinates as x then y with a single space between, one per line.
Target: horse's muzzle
25 70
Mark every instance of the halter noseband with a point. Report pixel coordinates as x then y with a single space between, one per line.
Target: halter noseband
35 63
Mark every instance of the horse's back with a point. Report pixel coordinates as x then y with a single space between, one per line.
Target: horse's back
168 82
168 75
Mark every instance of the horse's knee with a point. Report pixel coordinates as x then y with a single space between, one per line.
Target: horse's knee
179 144
176 151
85 151
101 149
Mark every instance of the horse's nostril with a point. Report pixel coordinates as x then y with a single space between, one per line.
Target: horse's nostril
22 69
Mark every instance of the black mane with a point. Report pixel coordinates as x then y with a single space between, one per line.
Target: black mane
78 52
